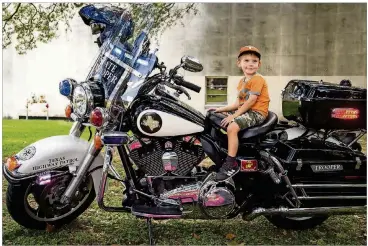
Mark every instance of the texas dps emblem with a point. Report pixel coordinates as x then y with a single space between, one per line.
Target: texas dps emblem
151 122
27 153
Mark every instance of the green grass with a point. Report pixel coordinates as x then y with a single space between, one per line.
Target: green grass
96 226
219 96
216 91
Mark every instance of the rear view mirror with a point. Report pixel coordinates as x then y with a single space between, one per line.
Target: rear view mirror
191 64
97 28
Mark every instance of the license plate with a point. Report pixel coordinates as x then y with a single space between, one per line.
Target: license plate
327 168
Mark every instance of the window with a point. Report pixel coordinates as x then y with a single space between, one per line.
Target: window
216 90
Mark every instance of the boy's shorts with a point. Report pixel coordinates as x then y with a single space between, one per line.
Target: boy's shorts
249 119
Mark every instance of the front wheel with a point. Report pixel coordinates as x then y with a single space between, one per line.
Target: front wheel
32 205
296 223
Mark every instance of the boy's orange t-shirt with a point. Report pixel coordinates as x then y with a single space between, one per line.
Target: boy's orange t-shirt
257 86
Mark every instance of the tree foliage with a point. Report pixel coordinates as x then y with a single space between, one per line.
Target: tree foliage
28 24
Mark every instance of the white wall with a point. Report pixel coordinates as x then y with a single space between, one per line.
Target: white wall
71 55
40 70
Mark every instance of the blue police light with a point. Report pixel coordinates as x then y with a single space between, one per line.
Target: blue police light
66 87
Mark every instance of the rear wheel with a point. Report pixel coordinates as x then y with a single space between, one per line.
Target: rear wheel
32 205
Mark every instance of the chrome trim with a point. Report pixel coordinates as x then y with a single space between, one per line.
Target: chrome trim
161 216
124 65
306 211
113 95
89 98
329 185
12 179
80 99
330 197
285 179
361 134
101 191
89 95
74 117
77 129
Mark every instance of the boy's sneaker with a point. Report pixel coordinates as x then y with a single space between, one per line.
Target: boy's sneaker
227 170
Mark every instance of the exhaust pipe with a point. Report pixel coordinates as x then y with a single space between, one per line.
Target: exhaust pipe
304 212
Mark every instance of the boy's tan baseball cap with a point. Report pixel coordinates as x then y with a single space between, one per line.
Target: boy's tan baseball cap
249 48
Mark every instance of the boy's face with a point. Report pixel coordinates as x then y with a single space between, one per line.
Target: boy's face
249 64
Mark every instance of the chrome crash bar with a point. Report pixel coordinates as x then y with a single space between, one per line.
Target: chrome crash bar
305 196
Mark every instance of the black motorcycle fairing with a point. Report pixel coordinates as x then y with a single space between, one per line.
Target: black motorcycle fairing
212 150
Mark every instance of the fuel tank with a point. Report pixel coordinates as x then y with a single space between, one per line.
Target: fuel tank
165 117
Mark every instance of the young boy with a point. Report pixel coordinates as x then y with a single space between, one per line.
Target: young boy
251 106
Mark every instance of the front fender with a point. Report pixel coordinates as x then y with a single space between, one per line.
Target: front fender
52 153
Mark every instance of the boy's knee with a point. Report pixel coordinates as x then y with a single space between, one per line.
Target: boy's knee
233 128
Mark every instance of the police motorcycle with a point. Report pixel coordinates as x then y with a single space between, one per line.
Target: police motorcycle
296 180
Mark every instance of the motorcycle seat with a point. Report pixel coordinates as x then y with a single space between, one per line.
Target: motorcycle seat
268 124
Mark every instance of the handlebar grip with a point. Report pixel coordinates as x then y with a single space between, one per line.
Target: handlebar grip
190 86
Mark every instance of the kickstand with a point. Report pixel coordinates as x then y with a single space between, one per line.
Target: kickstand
149 224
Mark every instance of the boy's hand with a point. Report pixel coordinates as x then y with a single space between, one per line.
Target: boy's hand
227 120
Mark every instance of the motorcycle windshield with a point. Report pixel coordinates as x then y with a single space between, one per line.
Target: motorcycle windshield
123 67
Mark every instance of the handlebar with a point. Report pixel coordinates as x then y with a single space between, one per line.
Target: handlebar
190 86
180 81
178 88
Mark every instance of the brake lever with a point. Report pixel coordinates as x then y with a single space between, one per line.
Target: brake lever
185 92
178 88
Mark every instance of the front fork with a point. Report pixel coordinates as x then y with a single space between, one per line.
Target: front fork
77 130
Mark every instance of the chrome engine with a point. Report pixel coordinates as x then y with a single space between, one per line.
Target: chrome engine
158 157
215 200
172 174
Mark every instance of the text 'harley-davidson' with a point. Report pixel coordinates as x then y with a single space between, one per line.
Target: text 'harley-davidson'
295 175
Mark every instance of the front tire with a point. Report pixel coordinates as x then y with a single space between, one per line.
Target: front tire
23 213
296 223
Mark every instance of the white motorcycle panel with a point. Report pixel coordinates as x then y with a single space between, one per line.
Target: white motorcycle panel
54 152
160 124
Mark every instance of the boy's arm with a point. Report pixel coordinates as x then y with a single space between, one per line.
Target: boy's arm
228 108
246 106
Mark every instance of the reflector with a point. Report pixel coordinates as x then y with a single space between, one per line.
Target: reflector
12 163
248 165
68 111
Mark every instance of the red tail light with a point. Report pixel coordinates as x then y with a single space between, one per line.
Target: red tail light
97 117
345 113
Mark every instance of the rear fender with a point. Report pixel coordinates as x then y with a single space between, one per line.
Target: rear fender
53 153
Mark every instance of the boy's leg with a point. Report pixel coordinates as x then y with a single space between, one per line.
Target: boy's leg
248 119
232 139
230 166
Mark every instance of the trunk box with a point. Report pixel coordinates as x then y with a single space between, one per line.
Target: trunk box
322 105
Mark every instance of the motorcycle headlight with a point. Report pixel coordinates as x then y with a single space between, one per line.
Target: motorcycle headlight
80 101
86 97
